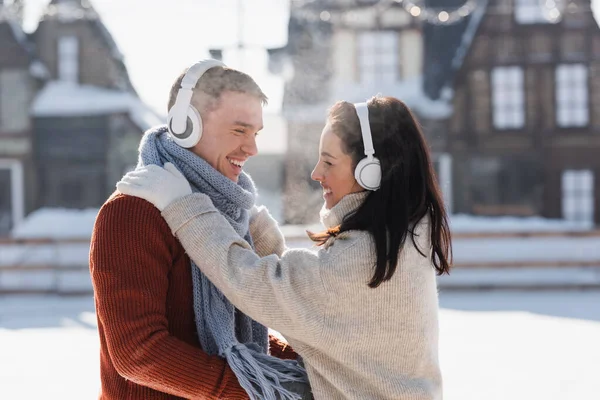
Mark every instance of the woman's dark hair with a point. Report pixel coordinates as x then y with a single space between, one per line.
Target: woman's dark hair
408 191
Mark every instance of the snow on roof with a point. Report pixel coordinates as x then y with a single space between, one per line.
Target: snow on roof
65 99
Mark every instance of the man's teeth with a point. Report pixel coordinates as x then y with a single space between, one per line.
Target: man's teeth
236 162
327 191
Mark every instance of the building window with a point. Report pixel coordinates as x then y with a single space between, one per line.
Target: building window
505 185
536 12
378 56
68 59
508 98
578 196
572 95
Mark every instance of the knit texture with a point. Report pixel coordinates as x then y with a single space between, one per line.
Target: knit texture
149 349
356 342
221 328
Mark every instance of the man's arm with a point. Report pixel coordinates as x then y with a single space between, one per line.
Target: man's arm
130 260
280 349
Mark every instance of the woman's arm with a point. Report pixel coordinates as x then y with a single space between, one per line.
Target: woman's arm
285 293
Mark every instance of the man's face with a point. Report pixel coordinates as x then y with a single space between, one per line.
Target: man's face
229 133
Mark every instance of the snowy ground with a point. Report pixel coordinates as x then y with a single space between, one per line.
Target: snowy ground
499 345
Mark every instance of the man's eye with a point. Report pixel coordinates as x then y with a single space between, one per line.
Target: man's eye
328 163
240 131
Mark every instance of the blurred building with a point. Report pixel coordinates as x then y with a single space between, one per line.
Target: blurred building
526 103
70 119
341 50
507 90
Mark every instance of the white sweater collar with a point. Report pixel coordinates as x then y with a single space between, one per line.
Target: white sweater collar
349 203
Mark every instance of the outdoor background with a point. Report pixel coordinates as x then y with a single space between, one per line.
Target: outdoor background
507 92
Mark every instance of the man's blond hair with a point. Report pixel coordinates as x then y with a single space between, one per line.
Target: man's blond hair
214 82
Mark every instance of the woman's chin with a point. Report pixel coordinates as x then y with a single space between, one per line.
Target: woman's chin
330 202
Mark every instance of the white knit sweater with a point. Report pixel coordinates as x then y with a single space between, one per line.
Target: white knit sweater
356 342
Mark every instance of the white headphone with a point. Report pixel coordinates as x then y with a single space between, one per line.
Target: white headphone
184 121
368 170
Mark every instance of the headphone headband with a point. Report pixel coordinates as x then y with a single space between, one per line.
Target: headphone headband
195 72
363 116
179 111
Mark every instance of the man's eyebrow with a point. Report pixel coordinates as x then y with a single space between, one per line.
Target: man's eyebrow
324 153
245 125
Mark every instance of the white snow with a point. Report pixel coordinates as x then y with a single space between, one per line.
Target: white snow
462 223
495 345
63 223
65 99
62 263
56 223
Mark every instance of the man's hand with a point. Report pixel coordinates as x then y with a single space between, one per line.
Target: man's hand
159 186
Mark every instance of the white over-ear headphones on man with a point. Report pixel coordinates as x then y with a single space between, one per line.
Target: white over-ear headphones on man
184 121
368 170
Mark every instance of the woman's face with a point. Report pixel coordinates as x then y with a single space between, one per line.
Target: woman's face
334 169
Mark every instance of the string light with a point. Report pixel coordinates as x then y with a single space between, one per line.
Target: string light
438 16
310 10
61 11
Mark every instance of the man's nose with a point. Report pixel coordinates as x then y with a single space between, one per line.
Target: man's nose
250 147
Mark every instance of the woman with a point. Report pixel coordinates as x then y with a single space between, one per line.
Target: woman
362 311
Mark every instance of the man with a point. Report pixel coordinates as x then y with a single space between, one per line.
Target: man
152 341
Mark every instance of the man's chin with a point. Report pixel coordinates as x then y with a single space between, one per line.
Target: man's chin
234 178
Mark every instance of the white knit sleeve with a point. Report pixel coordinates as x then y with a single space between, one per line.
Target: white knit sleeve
284 293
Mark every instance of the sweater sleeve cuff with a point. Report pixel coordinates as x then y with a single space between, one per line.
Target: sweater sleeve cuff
266 235
182 210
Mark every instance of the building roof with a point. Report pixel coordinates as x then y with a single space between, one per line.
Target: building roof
7 16
69 10
446 47
66 99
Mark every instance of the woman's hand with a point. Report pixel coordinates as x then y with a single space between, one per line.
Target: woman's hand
159 186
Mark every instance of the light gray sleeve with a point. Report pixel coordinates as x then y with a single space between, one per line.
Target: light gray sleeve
285 293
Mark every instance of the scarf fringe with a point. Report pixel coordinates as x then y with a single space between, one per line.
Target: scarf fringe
262 375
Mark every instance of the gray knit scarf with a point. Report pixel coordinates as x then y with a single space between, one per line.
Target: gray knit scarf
222 329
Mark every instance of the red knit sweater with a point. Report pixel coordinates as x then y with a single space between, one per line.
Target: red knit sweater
143 294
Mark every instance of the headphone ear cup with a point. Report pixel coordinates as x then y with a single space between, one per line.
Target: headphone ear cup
193 129
368 173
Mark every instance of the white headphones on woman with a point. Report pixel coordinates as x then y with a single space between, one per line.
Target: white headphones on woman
184 121
368 170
